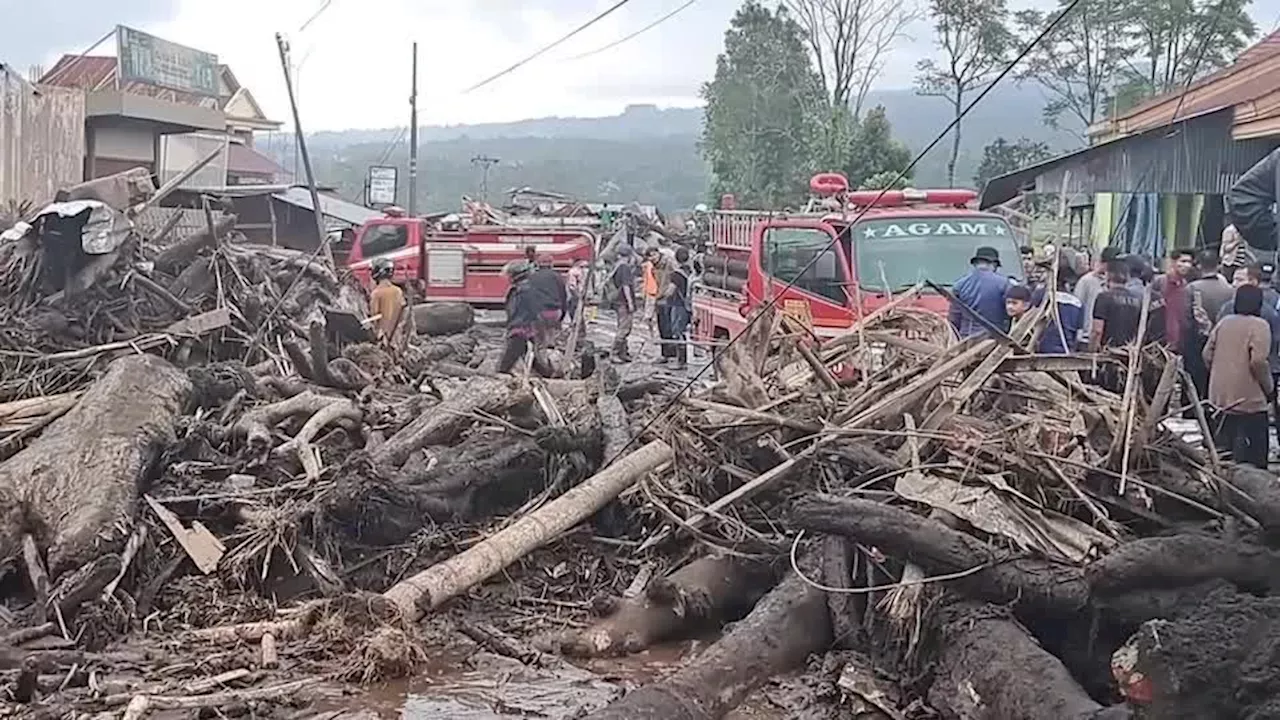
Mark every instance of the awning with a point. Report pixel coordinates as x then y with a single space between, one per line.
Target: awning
1003 188
330 207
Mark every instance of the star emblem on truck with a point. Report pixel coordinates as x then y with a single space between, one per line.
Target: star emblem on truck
869 232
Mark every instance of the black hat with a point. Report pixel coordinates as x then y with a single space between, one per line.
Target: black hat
1018 292
1110 253
986 254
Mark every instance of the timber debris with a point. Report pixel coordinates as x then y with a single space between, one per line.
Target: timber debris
219 494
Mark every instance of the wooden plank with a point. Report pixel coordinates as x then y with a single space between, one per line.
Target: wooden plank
198 325
202 546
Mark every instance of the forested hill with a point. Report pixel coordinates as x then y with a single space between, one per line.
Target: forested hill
646 153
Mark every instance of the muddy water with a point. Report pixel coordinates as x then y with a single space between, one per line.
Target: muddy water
483 686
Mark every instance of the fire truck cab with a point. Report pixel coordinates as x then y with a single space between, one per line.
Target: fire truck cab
843 257
463 264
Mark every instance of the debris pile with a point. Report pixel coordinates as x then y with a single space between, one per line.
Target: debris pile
217 493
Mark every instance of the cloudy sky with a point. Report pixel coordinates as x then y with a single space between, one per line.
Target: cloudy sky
353 57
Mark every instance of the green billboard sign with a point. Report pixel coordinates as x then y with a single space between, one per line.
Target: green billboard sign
149 60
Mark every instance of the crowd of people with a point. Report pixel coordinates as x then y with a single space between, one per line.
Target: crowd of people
655 288
1223 321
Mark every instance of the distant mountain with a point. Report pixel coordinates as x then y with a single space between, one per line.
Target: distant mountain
645 153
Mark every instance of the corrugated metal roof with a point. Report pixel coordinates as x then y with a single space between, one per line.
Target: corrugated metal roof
1256 72
244 160
330 206
98 72
1195 156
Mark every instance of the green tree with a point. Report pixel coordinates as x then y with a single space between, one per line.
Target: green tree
1078 65
975 41
764 111
1176 41
1002 157
872 151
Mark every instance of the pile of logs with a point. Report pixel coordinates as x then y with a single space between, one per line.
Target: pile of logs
201 431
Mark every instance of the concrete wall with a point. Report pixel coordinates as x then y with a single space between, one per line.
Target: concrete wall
42 143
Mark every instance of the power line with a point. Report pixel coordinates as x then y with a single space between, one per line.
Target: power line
641 31
319 11
548 48
771 302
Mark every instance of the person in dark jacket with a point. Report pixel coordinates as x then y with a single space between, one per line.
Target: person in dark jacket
982 289
1060 336
522 314
1206 295
552 299
678 308
1250 201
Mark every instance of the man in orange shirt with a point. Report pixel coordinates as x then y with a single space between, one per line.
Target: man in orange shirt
649 273
386 302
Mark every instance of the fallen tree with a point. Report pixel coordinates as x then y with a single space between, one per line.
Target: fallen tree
704 593
785 627
1039 585
76 485
427 590
443 318
989 668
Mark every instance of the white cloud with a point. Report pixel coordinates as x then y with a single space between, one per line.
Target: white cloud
355 58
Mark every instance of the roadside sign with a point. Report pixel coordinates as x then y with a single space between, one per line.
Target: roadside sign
147 59
380 187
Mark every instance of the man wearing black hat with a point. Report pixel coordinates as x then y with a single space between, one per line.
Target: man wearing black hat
982 289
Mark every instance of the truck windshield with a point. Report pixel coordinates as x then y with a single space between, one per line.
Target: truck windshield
904 251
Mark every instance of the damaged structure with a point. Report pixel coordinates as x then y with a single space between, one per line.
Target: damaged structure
207 467
1153 178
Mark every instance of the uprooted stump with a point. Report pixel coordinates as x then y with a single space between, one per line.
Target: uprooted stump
76 484
704 593
785 627
1215 657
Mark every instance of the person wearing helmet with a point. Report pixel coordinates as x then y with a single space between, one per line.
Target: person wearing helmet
386 302
522 314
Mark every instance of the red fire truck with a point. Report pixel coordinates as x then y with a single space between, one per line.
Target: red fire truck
465 264
899 238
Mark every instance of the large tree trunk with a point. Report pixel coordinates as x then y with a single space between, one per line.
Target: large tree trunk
710 590
443 318
1039 585
76 485
786 626
989 668
427 590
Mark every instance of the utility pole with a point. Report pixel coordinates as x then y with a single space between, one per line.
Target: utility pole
413 138
485 162
316 209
